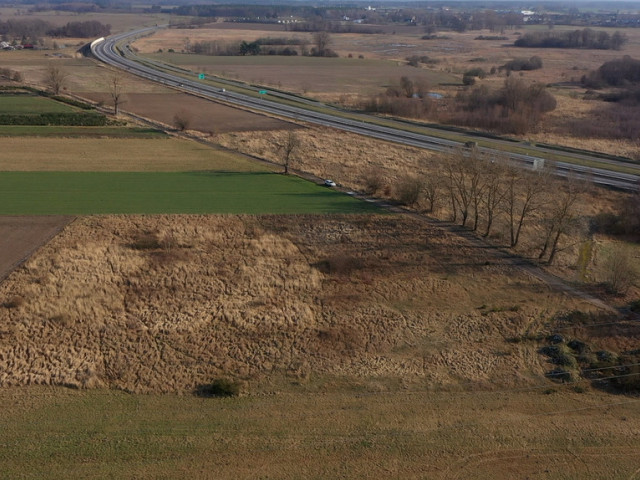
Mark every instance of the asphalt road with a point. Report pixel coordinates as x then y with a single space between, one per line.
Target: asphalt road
114 51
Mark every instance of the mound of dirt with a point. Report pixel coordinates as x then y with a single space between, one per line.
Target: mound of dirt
165 303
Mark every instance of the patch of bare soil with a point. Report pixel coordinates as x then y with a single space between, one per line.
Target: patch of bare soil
164 303
201 114
21 236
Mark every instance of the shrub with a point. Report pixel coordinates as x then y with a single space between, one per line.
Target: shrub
218 388
14 302
468 80
560 375
181 120
146 241
518 64
408 190
621 272
476 72
373 182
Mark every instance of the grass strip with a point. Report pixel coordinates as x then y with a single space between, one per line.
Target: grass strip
83 193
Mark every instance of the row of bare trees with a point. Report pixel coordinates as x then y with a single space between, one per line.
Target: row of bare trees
56 80
477 189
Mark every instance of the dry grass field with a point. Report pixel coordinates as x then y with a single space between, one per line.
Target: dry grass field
117 155
364 344
162 304
344 81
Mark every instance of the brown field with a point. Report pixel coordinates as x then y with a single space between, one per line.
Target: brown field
120 22
21 236
363 345
203 115
368 298
116 155
456 54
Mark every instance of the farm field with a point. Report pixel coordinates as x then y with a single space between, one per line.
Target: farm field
20 236
79 132
21 104
85 193
453 53
61 433
202 115
312 76
341 329
163 154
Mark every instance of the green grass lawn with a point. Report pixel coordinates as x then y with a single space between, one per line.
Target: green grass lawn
80 193
27 104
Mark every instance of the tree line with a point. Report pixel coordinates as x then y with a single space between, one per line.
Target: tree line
33 28
586 38
478 189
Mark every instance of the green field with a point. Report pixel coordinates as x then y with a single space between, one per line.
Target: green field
78 132
27 104
79 193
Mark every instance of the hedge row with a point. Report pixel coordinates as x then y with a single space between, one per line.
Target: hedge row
61 119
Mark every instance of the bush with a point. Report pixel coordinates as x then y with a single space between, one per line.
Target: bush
219 388
475 72
373 182
468 80
146 241
560 375
408 190
14 302
518 64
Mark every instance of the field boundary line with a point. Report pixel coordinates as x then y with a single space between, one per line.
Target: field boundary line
68 220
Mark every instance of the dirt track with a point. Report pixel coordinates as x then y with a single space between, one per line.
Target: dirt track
21 236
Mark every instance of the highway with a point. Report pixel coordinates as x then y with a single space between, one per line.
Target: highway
115 51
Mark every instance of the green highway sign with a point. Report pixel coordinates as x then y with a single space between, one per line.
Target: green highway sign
262 92
201 76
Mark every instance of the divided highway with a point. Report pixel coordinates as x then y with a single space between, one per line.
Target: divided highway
114 51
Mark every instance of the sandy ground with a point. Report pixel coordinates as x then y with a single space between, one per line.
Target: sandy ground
21 236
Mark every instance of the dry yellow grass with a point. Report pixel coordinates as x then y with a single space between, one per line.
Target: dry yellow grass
122 155
367 298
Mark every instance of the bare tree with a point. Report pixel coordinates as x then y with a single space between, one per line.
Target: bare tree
322 40
182 120
562 216
288 148
450 183
116 92
461 184
432 190
476 166
55 79
523 192
494 192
